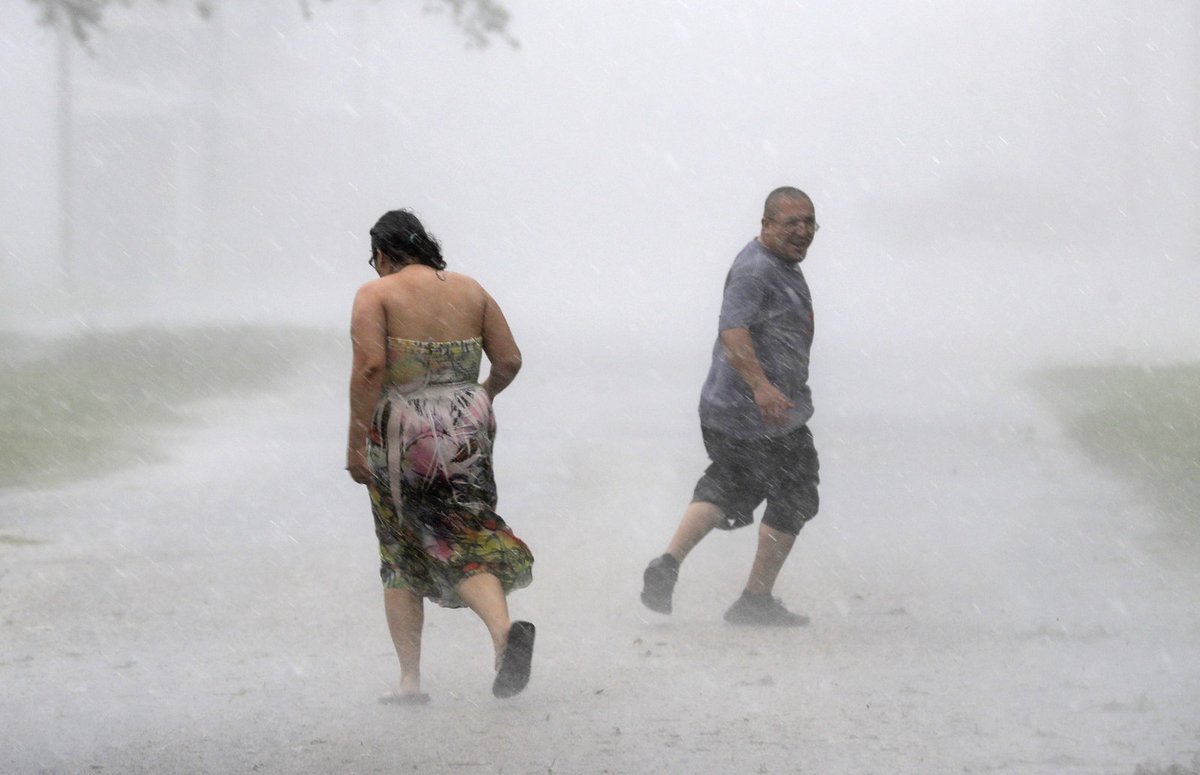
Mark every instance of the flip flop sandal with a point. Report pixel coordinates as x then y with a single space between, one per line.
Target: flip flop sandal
516 662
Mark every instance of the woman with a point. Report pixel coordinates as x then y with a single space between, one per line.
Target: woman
421 431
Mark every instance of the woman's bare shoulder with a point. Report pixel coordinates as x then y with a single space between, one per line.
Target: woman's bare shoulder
369 290
467 285
464 280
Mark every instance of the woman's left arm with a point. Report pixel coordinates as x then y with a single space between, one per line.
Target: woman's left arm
368 334
500 348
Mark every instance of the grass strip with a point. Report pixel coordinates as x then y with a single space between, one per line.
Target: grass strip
1143 424
82 406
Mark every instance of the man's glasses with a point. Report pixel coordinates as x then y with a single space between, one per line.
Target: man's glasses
809 225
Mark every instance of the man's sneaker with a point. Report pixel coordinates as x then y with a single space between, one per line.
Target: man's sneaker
762 610
658 582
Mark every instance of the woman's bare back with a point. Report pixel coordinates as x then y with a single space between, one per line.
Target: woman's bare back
427 305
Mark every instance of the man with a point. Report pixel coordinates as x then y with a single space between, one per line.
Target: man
754 410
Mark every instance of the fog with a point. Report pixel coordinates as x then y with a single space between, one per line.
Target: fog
1002 188
617 157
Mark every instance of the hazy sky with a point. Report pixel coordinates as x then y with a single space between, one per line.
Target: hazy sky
967 162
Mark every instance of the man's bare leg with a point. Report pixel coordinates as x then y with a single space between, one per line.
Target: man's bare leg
774 546
757 606
406 618
658 580
698 521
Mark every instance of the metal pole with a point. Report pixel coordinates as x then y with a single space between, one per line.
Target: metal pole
66 161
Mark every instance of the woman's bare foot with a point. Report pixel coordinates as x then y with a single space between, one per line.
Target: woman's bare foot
404 698
409 692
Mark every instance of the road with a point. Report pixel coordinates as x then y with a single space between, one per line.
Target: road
983 600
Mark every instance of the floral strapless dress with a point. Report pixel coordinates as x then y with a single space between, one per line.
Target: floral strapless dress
433 493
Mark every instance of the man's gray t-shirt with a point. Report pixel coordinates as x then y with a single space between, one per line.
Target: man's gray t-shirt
768 296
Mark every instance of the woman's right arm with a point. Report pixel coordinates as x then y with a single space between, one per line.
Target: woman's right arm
500 348
368 333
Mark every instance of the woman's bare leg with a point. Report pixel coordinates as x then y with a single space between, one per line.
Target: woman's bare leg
406 618
484 595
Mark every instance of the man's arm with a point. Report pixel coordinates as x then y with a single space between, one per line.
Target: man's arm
739 351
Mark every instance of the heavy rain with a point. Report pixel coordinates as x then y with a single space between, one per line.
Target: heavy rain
1004 575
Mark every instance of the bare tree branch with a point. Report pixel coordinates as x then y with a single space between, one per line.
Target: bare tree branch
81 17
482 21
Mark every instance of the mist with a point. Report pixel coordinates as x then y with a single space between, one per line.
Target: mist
1006 190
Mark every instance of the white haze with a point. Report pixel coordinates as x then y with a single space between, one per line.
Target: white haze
1001 186
1002 168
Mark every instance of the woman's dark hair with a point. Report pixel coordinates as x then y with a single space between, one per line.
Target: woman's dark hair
401 237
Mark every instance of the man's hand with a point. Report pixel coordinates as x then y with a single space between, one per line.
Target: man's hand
774 406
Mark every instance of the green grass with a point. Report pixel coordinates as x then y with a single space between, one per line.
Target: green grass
89 404
1143 424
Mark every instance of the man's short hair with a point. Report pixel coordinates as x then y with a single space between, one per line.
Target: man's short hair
771 207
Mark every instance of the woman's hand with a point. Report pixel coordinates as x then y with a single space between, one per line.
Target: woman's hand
356 464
